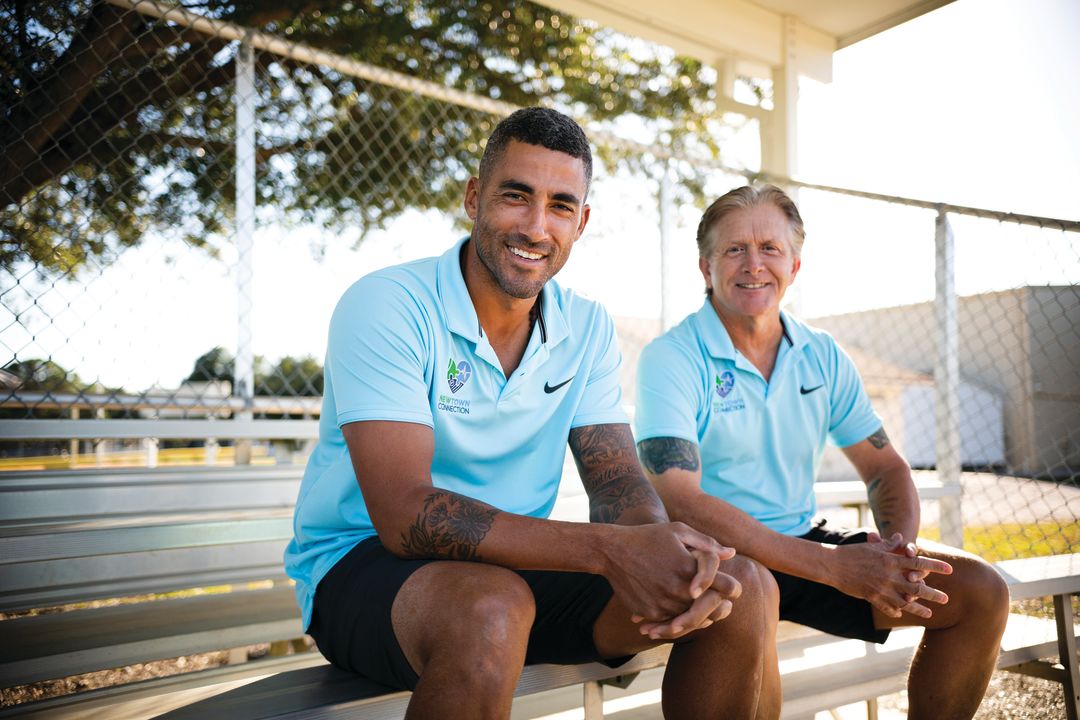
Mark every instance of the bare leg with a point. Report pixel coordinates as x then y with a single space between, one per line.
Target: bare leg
959 649
728 670
464 628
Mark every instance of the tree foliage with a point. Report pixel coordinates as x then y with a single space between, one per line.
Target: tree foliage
115 124
52 380
213 365
46 376
288 377
291 377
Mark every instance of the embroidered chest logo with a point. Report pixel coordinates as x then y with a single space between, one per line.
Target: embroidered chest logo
458 374
725 401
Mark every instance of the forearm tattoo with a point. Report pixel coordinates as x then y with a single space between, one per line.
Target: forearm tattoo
883 506
610 472
449 527
661 454
879 439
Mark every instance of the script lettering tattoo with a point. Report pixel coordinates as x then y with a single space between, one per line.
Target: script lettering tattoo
660 454
450 527
881 505
610 472
879 439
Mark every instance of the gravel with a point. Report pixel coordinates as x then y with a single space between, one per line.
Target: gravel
1009 697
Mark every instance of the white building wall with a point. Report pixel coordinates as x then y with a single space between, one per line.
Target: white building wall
982 428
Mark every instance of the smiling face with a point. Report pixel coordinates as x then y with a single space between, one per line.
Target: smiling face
527 213
751 263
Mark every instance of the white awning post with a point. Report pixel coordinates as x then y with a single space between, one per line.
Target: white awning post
665 205
947 380
780 154
779 129
244 368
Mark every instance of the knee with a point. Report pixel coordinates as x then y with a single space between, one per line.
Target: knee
498 611
479 615
760 595
984 595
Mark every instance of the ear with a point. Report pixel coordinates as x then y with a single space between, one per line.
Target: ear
795 268
585 211
472 197
703 265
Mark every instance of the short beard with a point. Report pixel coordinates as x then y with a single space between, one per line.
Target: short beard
520 291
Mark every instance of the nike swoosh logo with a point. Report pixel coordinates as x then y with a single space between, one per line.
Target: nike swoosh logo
552 388
807 391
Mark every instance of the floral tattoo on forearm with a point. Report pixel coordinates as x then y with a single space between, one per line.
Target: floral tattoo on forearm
449 527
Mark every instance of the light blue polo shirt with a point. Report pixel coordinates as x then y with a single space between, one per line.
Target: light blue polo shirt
760 443
405 345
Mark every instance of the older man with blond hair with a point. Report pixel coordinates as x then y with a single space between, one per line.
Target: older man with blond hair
734 407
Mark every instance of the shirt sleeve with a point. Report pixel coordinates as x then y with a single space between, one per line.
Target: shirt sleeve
668 393
601 402
852 418
376 355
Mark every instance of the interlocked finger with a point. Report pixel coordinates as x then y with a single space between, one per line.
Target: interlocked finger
722 610
708 563
925 592
707 609
917 609
928 565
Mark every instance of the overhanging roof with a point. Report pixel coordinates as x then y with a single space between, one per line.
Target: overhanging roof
751 32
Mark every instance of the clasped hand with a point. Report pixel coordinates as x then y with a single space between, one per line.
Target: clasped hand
891 575
674 585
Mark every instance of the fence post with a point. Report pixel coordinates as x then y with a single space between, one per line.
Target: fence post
73 444
150 447
947 380
666 212
244 369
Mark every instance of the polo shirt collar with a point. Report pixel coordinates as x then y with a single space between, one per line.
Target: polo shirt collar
713 333
718 342
795 331
551 320
461 316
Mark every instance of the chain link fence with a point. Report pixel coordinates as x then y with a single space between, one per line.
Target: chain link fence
1017 337
179 218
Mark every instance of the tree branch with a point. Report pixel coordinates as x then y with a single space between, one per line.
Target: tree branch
158 38
214 147
48 106
262 17
104 110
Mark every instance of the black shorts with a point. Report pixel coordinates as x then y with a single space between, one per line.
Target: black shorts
822 606
352 627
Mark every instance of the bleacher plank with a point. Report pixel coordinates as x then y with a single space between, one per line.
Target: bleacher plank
29 499
69 643
148 698
325 693
1041 576
853 492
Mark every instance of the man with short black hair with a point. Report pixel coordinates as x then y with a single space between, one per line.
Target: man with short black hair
423 556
